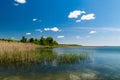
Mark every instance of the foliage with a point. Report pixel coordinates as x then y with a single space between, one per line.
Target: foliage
9 40
45 41
31 40
24 39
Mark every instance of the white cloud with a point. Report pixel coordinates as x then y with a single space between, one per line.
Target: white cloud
20 1
28 33
78 37
88 17
38 30
78 21
60 36
34 19
92 32
54 29
75 13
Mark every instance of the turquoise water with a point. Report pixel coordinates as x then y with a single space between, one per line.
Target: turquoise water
102 63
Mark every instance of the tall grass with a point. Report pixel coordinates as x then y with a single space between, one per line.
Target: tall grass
16 52
11 47
19 54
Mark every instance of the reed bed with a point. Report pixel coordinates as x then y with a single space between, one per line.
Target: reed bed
11 47
72 58
19 54
12 52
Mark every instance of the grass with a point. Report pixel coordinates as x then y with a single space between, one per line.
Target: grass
19 54
11 47
16 52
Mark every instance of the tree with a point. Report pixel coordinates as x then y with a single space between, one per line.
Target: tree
55 43
36 41
24 39
49 41
31 40
43 41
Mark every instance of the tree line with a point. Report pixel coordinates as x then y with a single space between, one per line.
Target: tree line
45 41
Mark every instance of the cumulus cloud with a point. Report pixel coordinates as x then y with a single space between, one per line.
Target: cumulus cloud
28 33
38 30
60 36
88 17
54 29
75 13
83 16
92 32
20 1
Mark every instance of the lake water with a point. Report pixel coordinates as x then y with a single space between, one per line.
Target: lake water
102 63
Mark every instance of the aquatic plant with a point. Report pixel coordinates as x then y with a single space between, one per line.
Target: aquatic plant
68 58
25 54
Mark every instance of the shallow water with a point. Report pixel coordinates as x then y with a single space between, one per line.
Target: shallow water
102 63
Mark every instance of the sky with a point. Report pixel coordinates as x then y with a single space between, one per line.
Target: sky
85 22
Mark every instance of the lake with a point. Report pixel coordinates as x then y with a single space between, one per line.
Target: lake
100 63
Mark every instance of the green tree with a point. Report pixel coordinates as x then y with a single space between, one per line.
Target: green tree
24 39
31 40
36 41
43 41
50 41
55 43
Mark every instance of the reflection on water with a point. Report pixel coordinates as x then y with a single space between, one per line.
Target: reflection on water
87 63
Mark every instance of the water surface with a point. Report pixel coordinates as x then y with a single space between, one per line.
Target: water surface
101 63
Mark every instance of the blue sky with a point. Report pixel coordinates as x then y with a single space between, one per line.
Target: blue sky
86 22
